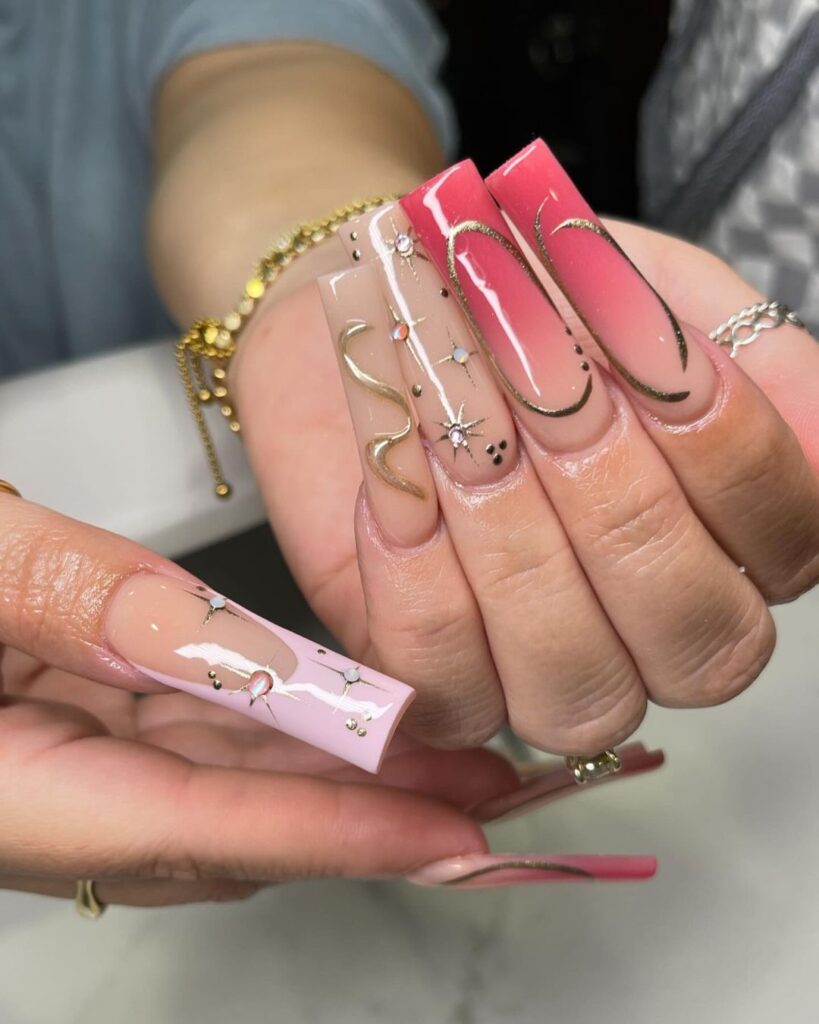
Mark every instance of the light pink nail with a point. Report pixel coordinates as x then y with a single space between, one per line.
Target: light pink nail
661 359
187 637
397 477
546 783
554 388
488 870
461 411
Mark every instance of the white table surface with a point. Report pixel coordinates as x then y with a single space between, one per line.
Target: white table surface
728 931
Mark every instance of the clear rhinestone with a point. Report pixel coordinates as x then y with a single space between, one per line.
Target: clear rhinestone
352 675
217 603
400 332
403 244
460 355
457 435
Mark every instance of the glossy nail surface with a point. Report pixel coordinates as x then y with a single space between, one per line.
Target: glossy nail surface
461 410
187 637
397 478
658 357
545 783
556 390
489 870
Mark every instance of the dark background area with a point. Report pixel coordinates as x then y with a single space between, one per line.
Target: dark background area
572 71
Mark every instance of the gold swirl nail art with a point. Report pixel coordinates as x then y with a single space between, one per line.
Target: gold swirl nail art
581 224
479 227
379 447
524 864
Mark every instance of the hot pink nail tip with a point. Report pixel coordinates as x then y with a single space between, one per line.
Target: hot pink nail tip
488 870
546 783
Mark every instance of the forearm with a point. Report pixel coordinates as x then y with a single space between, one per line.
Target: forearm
251 141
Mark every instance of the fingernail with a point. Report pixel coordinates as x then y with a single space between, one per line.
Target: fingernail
660 359
187 637
545 783
555 388
488 870
460 410
397 478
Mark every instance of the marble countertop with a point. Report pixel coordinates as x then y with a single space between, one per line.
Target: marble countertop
728 931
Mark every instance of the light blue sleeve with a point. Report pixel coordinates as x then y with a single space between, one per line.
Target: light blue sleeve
400 36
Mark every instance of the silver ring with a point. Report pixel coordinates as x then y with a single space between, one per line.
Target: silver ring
746 326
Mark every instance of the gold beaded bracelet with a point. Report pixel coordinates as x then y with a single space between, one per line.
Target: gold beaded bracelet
205 350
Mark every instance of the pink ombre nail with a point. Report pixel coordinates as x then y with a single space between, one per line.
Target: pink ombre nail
546 783
187 637
488 870
660 358
556 390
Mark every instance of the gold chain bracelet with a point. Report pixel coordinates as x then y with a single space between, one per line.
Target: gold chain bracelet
205 350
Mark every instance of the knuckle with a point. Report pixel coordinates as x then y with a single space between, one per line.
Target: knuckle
527 567
595 716
643 519
741 655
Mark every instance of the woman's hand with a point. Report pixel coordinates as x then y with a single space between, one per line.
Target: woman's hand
161 799
592 573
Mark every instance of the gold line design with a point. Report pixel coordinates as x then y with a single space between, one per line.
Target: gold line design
528 864
380 446
479 227
586 225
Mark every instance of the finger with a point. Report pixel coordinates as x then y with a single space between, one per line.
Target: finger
740 466
160 893
91 806
402 552
452 775
99 606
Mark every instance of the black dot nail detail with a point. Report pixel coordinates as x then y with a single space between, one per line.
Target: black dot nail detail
417 390
445 293
490 449
497 459
502 446
356 254
578 350
354 236
568 330
584 365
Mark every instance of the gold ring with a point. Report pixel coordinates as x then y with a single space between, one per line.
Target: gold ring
85 900
590 769
9 488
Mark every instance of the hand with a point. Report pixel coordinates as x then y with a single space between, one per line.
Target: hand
600 566
168 799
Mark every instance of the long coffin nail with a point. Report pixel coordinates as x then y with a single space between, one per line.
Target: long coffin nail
638 332
488 870
557 390
460 409
186 636
396 472
544 784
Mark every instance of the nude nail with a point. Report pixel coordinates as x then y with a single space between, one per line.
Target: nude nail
461 411
546 783
187 637
397 478
489 870
661 359
551 384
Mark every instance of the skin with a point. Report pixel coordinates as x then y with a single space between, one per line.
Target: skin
502 560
